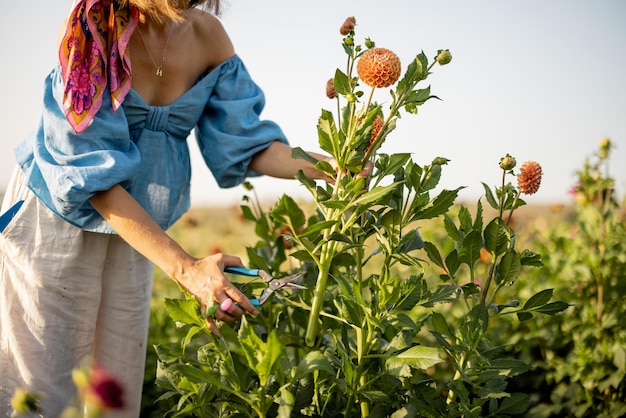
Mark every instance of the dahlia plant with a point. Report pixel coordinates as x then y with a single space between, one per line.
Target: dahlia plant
363 352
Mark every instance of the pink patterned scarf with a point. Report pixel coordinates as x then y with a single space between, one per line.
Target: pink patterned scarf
94 52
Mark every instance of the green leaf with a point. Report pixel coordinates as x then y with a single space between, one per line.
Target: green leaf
289 213
496 237
341 82
433 253
553 308
327 134
313 361
517 404
538 299
529 258
431 179
440 324
524 316
419 357
507 367
440 205
299 153
442 294
185 311
490 197
451 229
465 219
469 251
373 196
417 290
452 262
509 267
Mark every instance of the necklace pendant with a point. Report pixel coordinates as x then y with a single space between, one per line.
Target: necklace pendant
159 72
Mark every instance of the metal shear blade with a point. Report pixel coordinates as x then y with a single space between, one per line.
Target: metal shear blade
272 283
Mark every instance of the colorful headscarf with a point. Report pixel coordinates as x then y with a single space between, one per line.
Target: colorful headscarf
93 53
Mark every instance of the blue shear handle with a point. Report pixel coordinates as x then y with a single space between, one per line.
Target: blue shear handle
242 271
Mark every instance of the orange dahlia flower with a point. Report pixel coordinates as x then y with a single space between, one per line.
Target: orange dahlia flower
529 178
379 67
376 127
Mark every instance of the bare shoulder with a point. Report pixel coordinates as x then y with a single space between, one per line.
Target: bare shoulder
210 32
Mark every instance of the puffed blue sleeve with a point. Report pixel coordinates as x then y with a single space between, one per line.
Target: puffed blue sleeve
230 131
65 169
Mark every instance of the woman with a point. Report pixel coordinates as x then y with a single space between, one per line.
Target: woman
105 173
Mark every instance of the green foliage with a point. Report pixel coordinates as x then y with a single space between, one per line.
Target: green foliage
580 357
392 324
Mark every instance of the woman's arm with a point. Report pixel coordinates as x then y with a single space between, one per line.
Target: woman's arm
276 161
202 277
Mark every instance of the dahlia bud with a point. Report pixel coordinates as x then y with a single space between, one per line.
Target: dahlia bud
444 56
348 26
507 162
379 67
331 93
369 43
605 147
348 41
100 391
529 178
24 402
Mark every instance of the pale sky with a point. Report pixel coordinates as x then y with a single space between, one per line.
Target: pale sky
542 80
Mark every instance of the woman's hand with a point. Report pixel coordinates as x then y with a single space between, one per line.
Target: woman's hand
202 277
205 280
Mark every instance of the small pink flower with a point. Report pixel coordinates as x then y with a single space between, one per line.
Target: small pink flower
104 389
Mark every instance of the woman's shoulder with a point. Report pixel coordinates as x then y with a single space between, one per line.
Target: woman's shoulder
208 29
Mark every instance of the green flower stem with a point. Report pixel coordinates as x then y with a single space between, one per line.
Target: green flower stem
459 366
485 289
328 251
508 220
501 202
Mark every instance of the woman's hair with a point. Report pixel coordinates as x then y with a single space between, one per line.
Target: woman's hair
164 10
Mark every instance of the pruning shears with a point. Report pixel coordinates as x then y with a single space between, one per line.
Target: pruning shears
272 283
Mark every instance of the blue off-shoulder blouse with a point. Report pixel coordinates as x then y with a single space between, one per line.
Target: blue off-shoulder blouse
144 148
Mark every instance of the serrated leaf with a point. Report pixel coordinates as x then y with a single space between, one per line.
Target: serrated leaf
185 311
313 361
517 404
433 253
469 251
507 367
490 197
288 212
341 82
496 237
452 262
509 267
419 357
440 205
327 133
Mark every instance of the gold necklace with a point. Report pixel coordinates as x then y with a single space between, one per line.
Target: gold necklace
159 68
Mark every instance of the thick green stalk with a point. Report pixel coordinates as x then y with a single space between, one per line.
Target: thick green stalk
328 252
